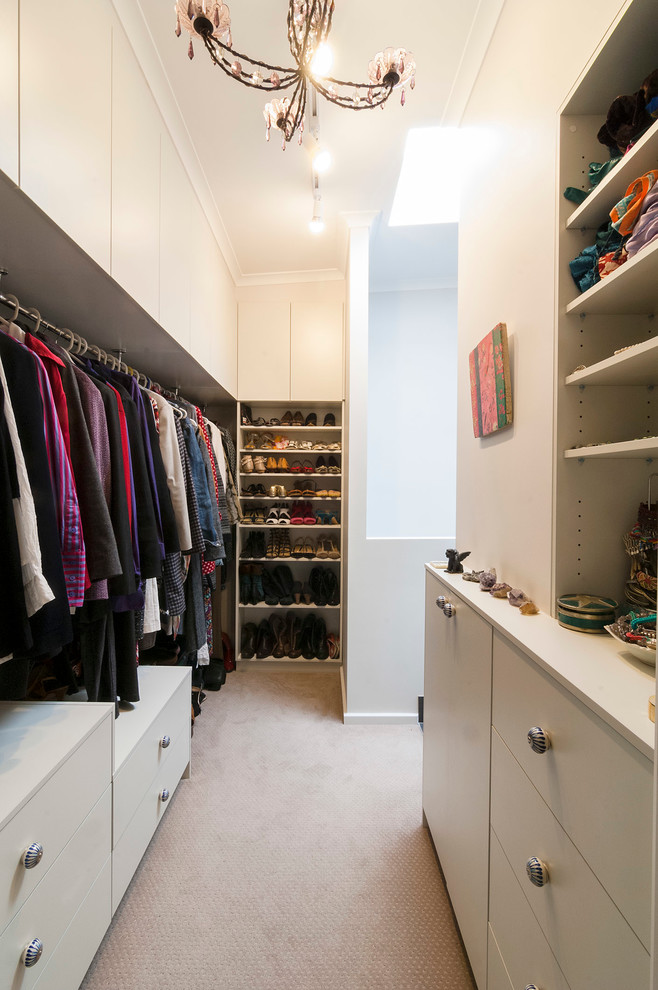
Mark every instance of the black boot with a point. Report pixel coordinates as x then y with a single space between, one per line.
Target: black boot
319 640
265 644
307 638
248 640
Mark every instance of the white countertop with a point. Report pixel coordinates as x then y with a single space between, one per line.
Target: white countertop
610 681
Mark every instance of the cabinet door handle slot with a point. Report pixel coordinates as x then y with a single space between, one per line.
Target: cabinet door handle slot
32 855
537 872
538 739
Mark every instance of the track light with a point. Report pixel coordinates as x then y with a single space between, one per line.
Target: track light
321 160
316 224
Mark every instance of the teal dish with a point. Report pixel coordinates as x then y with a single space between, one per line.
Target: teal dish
586 613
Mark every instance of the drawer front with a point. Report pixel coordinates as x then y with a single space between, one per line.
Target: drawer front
70 961
528 959
148 757
596 783
51 817
592 942
136 837
497 975
50 909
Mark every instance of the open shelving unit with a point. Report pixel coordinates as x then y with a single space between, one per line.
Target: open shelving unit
606 427
320 438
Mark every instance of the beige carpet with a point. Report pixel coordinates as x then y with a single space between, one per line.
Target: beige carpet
294 859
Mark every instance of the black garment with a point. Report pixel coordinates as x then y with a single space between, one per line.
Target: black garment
15 635
51 625
126 656
195 617
97 652
150 557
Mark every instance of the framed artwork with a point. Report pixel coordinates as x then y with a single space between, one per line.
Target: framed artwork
491 390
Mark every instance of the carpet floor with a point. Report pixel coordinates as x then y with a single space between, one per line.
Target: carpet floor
293 859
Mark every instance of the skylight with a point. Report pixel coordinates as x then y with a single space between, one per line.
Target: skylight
429 183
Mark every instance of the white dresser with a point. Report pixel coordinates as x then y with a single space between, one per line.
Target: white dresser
81 795
577 806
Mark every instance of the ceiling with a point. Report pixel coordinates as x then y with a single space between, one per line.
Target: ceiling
263 195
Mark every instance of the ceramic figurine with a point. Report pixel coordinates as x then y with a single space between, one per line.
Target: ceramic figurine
455 561
488 579
500 590
516 597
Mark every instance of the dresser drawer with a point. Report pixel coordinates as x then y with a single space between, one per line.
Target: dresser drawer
149 756
497 975
49 910
596 783
592 942
51 817
132 844
527 956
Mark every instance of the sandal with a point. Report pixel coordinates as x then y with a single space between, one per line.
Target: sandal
309 550
285 549
252 441
333 550
274 422
296 467
308 467
320 445
299 549
323 549
297 514
284 516
247 464
273 545
309 490
333 494
250 492
259 422
295 493
298 419
272 516
321 493
293 445
267 442
305 445
309 515
333 446
258 516
332 644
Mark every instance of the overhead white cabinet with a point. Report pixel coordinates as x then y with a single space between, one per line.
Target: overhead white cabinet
9 88
66 118
136 128
316 351
264 350
175 244
456 728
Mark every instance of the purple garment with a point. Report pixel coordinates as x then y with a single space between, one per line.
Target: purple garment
646 226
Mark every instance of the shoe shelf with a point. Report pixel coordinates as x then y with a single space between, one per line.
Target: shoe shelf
630 289
327 439
644 448
637 365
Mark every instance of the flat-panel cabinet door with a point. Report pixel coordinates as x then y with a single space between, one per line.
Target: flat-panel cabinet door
176 200
316 351
456 746
264 351
136 127
65 115
9 88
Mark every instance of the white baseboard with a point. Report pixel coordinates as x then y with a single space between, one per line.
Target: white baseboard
380 718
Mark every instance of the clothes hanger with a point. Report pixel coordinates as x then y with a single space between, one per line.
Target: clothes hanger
36 316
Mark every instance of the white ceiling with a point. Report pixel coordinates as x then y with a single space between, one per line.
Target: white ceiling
263 196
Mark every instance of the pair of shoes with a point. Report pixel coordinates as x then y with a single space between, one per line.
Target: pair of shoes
252 591
333 467
314 645
248 639
278 515
258 464
301 512
278 545
329 419
272 464
255 514
254 491
327 547
324 585
304 549
255 546
327 518
333 446
246 464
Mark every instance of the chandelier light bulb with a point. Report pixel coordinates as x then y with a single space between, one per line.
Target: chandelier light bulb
323 59
321 161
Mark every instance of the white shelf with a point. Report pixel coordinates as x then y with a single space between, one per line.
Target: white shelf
631 289
288 660
645 448
334 526
290 429
635 366
294 498
284 474
293 606
294 560
284 451
595 210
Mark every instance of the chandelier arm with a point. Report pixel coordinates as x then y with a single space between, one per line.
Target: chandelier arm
245 77
210 41
347 101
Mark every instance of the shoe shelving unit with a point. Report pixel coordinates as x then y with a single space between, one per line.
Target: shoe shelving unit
320 437
606 415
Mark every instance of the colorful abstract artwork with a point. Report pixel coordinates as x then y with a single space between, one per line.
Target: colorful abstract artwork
491 391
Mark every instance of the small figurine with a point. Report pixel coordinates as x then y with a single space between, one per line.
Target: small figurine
455 561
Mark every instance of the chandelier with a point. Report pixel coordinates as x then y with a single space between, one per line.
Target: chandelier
309 24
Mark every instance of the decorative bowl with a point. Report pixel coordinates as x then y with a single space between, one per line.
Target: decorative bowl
643 653
585 613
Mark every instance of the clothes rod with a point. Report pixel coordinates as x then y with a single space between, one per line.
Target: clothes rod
77 344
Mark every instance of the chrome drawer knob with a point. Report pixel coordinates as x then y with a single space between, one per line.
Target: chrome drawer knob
532 986
165 741
441 600
32 855
537 871
32 953
164 795
449 610
538 739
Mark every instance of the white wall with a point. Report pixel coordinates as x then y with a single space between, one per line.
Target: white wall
385 596
506 273
412 413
